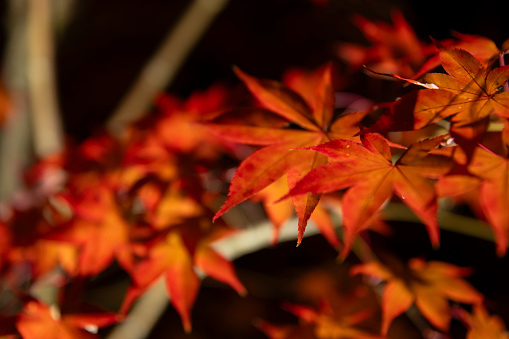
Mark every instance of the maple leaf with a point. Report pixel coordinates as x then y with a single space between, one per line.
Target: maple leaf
487 183
323 323
257 126
280 211
369 173
481 325
26 239
98 228
174 256
476 87
428 285
39 319
178 128
45 255
484 50
469 92
396 49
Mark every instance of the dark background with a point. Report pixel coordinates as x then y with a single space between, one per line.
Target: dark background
106 44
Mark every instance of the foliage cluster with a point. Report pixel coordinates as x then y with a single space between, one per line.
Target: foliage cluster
153 200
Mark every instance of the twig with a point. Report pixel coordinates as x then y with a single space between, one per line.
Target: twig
164 65
46 125
15 134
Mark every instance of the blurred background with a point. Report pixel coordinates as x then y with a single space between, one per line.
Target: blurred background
98 50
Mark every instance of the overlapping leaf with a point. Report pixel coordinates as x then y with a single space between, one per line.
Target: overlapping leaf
488 181
174 256
469 93
369 173
428 285
39 320
397 49
316 122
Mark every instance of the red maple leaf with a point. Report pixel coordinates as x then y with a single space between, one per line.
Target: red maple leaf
174 256
481 325
368 171
397 48
323 323
38 319
486 186
257 126
469 92
428 285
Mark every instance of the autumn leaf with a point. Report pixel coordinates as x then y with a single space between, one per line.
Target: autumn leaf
174 256
482 48
279 211
97 229
428 285
26 239
395 48
493 170
475 86
39 319
367 170
268 127
469 92
481 325
323 323
178 127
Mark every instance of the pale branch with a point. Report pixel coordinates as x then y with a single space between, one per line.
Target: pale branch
147 310
15 133
149 307
44 111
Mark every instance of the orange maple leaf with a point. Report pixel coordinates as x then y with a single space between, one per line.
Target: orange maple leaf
178 128
279 211
469 93
174 255
428 285
98 228
38 319
487 186
323 323
257 126
368 171
396 49
475 87
481 325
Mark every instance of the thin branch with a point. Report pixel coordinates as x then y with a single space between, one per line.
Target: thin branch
15 134
46 125
166 62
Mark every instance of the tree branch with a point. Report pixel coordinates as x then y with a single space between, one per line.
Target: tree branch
164 65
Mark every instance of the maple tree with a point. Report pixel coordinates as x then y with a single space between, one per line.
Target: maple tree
157 202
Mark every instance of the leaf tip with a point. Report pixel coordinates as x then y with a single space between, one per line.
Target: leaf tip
437 43
501 250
